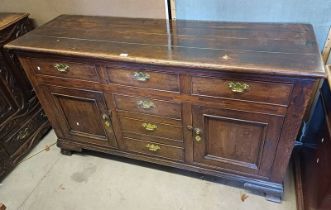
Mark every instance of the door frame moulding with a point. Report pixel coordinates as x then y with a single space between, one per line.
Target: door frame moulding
170 6
327 48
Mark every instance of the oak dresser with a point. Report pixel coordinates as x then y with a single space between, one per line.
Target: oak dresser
22 121
223 99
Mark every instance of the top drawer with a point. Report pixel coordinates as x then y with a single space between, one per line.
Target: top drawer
140 77
65 69
257 91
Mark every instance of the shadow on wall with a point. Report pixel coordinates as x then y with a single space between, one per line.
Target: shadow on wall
315 12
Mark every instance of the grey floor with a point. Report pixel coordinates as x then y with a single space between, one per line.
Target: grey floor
47 180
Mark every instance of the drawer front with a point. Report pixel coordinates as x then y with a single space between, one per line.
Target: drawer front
65 69
24 132
265 92
148 106
151 127
154 149
143 78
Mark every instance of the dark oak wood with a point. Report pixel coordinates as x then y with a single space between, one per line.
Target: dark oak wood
235 140
94 37
82 114
76 71
218 87
162 130
165 151
176 76
158 80
8 19
158 107
22 121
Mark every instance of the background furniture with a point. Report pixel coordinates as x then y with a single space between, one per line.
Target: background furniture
312 158
22 121
225 99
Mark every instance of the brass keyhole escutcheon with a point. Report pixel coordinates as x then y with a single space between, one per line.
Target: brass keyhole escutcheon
106 120
196 132
197 138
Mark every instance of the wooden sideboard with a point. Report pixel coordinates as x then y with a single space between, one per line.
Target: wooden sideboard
22 121
224 99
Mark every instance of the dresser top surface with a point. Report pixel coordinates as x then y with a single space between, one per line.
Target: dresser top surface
268 48
7 19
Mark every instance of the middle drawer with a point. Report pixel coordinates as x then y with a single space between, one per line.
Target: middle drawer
166 130
138 76
148 106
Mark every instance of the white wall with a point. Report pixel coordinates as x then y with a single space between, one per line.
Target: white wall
316 12
44 10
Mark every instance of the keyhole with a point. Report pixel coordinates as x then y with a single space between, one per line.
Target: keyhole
77 123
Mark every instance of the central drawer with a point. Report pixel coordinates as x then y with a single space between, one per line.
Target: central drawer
143 78
148 106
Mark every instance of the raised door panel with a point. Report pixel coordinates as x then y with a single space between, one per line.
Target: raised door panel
82 115
235 141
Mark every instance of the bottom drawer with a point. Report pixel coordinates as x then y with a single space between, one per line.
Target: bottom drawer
30 124
154 149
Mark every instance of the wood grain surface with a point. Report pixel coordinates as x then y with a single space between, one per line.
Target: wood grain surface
283 49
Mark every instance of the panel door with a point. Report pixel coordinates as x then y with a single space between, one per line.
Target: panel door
235 141
81 115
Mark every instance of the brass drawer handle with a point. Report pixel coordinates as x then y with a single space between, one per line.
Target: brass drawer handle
106 120
238 87
23 134
61 67
145 104
141 76
153 147
149 126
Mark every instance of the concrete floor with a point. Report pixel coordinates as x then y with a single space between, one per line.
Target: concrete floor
49 180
